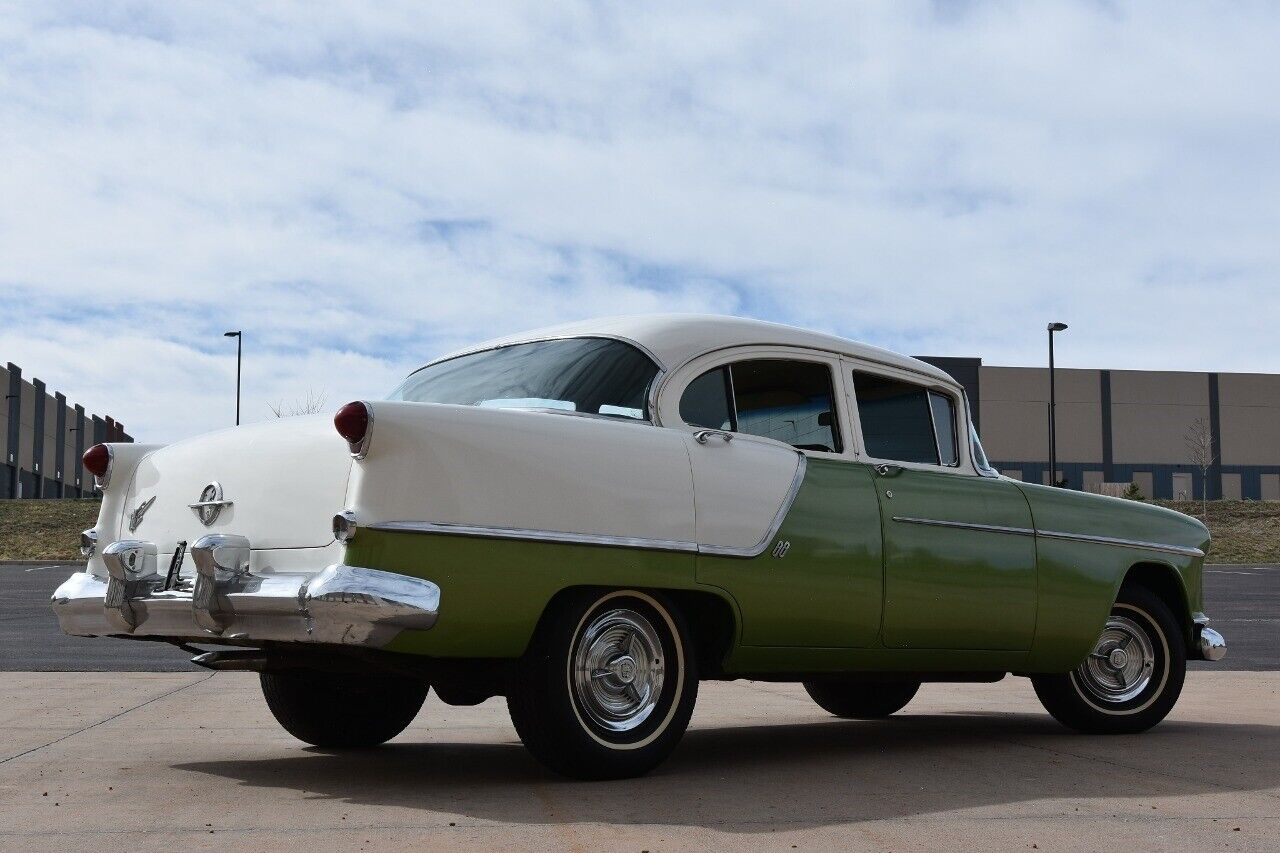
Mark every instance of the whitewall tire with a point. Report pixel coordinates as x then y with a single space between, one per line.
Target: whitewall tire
607 686
1132 677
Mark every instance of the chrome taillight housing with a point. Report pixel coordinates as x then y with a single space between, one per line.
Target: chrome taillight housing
97 461
88 542
345 526
354 422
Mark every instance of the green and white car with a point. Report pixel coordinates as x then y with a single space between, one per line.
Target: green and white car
590 519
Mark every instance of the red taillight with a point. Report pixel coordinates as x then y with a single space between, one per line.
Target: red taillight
97 460
352 422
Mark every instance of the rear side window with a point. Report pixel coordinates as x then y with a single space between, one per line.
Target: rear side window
905 422
787 400
705 402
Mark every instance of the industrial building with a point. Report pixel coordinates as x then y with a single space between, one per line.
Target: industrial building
44 438
1113 426
1129 426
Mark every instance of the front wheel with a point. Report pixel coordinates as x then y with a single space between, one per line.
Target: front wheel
607 686
342 710
1133 676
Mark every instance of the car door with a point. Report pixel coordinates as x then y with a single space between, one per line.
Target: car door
785 522
959 552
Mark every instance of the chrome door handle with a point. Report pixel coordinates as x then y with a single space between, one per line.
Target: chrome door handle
702 435
885 470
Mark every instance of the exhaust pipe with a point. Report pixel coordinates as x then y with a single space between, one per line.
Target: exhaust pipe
236 660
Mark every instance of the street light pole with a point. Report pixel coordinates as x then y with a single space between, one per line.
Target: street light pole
239 357
1053 408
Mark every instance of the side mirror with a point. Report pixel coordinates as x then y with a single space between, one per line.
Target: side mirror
824 419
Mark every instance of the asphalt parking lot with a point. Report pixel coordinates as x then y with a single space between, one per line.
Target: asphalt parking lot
188 759
1242 601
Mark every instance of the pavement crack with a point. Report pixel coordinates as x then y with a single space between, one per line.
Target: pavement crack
114 716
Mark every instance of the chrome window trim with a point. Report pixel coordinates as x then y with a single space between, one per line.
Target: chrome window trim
937 441
515 343
773 352
1055 534
605 540
944 381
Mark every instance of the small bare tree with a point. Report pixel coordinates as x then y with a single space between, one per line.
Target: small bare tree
309 405
1199 444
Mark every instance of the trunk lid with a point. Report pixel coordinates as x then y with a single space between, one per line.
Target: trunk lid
284 480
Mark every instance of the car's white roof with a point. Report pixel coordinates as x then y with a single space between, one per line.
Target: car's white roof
674 339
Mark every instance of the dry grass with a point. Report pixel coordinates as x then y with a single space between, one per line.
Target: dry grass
1242 531
44 530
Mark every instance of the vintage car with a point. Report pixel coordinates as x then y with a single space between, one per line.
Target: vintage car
590 519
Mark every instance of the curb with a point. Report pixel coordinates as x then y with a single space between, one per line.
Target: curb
69 561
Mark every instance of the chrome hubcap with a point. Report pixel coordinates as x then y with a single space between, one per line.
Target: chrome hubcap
1120 666
618 670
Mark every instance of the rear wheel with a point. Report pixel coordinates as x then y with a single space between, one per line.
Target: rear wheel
607 686
342 710
862 700
1133 676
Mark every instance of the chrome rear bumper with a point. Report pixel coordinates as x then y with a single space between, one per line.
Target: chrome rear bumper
342 604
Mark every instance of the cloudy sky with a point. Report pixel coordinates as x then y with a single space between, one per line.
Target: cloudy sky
362 188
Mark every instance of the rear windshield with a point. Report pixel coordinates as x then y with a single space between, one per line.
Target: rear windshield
594 376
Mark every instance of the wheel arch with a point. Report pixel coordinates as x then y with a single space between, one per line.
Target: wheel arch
711 618
1166 582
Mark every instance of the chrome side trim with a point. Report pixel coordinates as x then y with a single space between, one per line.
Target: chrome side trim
539 339
561 537
759 548
964 525
1054 534
1181 550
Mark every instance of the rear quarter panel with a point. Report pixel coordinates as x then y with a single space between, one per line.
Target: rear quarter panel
1078 581
525 470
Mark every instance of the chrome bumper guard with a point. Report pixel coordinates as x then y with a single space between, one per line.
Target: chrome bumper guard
1209 644
346 605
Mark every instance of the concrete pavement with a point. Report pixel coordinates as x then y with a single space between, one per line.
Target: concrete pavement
195 761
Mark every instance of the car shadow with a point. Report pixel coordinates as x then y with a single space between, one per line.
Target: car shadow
757 778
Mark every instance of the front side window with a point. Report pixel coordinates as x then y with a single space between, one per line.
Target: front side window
905 422
592 375
790 401
979 455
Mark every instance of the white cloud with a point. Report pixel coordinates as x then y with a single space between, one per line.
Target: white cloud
362 189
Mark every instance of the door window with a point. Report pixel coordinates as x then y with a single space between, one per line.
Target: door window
706 402
787 400
904 422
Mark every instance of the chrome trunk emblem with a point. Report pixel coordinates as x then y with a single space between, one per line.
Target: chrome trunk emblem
135 517
210 504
